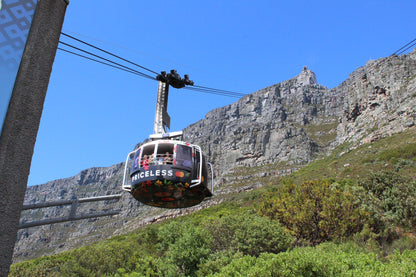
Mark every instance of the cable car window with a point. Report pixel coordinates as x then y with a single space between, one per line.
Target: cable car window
164 153
135 164
148 155
184 155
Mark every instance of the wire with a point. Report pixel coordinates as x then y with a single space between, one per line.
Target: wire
402 50
236 94
120 65
98 48
213 92
193 87
221 90
122 47
377 63
398 52
116 65
98 61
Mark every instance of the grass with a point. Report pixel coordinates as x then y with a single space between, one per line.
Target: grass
323 134
394 153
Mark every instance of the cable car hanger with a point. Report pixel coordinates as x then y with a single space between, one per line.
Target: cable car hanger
167 172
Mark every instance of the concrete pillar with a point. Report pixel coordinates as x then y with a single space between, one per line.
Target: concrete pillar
21 123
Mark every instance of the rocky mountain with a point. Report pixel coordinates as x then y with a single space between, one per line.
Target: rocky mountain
291 122
297 119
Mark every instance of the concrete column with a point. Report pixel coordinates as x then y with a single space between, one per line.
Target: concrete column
22 120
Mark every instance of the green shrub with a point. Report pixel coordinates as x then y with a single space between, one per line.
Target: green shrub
327 259
45 266
316 211
185 246
98 259
391 200
216 261
249 234
142 264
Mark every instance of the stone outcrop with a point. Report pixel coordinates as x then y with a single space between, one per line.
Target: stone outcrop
288 121
379 99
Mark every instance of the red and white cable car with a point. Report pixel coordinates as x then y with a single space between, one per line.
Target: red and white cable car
167 172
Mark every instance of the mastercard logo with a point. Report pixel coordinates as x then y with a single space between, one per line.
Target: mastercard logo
179 174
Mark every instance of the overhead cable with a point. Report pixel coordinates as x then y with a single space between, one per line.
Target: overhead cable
405 47
98 61
107 52
220 90
118 64
215 91
398 52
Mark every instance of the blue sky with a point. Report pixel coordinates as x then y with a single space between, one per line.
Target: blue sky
94 115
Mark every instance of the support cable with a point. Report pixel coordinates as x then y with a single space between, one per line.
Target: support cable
213 91
220 90
109 53
116 65
97 56
98 61
217 91
405 47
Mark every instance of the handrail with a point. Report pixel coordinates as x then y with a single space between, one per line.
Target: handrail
69 202
212 177
199 180
65 219
72 214
126 166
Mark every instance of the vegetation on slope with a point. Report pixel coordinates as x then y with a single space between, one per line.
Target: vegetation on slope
350 213
396 153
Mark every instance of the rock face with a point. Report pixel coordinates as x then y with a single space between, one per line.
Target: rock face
379 99
290 122
295 120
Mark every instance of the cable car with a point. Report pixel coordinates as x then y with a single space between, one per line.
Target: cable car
167 172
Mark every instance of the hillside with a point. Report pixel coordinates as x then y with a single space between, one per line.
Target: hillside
267 134
355 226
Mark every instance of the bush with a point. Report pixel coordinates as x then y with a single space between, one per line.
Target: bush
98 259
391 200
316 211
327 259
185 246
216 261
45 266
249 234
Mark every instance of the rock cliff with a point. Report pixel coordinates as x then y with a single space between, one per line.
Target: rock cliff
292 122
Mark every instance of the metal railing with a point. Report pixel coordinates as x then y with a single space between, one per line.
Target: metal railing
72 214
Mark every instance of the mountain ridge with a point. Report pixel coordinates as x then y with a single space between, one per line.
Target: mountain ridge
293 121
